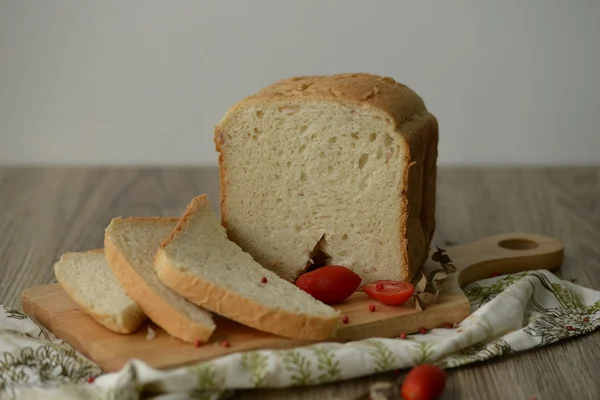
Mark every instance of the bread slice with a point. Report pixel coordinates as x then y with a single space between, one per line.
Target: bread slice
130 247
91 284
340 166
200 263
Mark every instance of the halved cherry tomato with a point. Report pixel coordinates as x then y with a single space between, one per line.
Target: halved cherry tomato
330 284
392 293
424 382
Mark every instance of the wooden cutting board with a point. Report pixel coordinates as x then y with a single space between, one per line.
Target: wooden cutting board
500 254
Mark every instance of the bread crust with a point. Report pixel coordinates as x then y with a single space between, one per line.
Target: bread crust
218 139
232 305
430 180
376 92
418 222
153 304
400 107
132 319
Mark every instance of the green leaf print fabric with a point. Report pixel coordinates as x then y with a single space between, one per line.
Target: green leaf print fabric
510 314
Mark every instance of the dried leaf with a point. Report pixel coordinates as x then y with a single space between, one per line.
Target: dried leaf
437 275
423 300
426 287
421 282
426 298
417 303
449 268
432 288
445 259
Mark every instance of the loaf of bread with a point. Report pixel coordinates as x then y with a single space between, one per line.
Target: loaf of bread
199 262
334 169
88 280
130 246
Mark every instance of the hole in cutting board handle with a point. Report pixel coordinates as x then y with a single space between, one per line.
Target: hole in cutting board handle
518 244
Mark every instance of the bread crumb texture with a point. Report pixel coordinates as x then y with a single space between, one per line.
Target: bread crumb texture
342 165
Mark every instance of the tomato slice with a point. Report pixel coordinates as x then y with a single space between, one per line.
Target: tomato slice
391 293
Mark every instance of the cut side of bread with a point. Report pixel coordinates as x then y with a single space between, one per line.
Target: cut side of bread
88 280
199 262
340 166
130 246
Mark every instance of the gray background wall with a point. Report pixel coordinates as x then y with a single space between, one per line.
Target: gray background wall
144 82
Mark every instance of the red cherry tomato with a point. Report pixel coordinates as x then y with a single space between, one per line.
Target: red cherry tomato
392 293
424 382
330 284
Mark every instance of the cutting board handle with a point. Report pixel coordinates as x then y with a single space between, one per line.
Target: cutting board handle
506 253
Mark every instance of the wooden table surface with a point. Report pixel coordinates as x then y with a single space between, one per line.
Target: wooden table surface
45 212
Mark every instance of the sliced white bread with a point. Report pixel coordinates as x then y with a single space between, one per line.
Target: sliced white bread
88 280
130 245
199 262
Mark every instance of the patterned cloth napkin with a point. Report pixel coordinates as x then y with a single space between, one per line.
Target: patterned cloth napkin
510 313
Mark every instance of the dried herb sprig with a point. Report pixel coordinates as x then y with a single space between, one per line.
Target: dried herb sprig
446 269
426 287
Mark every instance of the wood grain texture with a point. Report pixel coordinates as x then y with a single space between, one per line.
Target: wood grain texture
53 308
45 212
